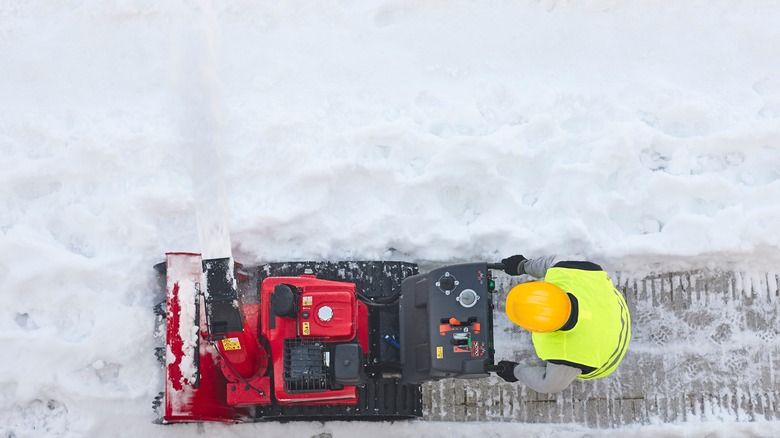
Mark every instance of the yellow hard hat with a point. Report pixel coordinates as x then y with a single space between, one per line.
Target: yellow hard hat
538 306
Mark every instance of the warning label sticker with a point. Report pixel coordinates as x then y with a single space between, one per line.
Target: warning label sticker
306 330
231 344
306 300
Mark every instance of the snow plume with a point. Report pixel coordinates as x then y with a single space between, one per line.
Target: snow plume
195 32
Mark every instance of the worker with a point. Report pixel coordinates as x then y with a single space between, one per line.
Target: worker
579 321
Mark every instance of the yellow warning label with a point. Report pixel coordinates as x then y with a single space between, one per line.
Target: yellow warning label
306 329
231 344
307 300
439 352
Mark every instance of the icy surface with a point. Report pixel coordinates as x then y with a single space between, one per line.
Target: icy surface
644 136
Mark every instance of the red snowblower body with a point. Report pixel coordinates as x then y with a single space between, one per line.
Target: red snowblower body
316 340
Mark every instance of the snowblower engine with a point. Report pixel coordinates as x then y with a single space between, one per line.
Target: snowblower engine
317 340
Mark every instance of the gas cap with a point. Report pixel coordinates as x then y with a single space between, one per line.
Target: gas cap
325 313
468 298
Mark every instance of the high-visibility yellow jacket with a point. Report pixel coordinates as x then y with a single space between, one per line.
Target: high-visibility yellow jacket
599 339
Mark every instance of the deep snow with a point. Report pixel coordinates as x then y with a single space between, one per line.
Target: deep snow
642 135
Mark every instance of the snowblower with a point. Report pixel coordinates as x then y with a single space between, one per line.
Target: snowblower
351 340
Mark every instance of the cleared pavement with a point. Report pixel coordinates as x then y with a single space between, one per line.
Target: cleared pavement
705 345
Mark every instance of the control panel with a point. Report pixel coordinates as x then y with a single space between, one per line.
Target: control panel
446 323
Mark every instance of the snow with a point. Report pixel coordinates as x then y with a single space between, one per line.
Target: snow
639 135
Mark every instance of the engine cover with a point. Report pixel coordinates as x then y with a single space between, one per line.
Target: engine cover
327 313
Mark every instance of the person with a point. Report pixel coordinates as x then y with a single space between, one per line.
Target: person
579 321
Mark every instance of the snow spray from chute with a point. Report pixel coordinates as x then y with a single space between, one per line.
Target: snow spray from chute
195 29
209 275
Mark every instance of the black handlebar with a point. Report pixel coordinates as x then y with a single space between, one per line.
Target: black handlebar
493 368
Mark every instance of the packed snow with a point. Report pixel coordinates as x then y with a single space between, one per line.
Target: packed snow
641 135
